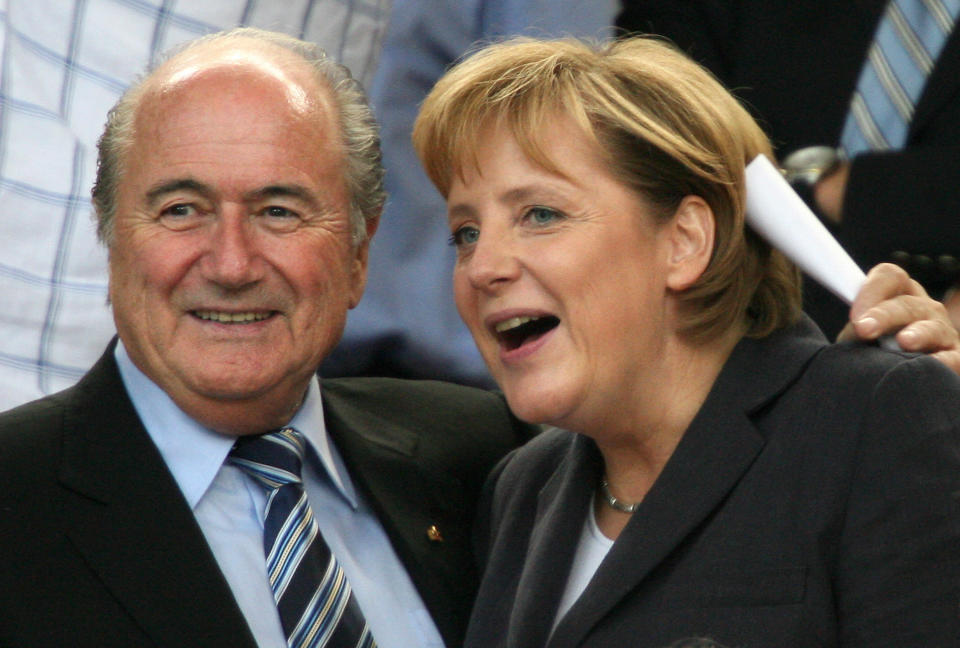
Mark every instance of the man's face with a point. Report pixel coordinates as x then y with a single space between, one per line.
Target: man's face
231 267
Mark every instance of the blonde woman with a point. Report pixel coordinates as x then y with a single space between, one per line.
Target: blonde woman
715 467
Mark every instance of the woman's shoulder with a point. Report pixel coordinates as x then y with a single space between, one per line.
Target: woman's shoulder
889 399
859 366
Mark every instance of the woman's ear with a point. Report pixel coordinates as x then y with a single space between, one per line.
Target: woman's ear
691 242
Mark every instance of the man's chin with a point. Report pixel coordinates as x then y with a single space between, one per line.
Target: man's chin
239 407
231 389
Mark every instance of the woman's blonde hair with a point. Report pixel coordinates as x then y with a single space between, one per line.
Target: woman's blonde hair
666 128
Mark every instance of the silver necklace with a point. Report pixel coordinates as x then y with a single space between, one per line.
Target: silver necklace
613 502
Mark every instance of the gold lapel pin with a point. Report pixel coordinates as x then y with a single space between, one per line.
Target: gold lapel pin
433 533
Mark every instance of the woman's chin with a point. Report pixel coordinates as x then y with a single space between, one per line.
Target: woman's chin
543 404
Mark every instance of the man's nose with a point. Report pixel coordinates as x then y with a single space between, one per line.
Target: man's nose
233 257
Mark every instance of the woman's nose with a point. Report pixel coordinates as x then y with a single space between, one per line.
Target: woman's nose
493 262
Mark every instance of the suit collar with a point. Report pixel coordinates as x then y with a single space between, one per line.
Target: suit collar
191 452
194 454
409 496
125 513
382 453
714 453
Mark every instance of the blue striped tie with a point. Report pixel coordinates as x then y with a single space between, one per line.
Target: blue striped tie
317 607
905 48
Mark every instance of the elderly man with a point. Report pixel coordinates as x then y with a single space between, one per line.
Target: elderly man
199 487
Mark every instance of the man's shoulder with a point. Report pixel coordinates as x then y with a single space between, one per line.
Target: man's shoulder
34 418
39 426
457 429
383 385
417 398
30 438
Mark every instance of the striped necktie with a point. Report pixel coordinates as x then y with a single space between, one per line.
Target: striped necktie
316 604
908 41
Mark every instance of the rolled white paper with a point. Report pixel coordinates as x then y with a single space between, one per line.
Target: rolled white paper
779 215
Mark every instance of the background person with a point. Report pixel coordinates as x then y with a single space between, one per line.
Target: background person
796 64
716 466
407 324
238 186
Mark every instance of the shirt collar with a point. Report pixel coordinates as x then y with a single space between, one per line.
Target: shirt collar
194 453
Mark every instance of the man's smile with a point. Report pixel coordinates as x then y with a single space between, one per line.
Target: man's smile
224 317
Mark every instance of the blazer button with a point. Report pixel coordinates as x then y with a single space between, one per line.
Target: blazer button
901 258
948 264
433 533
922 262
923 269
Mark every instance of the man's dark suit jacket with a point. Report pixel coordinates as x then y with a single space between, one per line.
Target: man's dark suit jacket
813 501
795 64
101 549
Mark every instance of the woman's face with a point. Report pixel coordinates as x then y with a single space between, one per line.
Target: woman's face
559 276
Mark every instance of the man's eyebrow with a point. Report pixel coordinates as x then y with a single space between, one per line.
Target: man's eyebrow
284 191
180 184
296 191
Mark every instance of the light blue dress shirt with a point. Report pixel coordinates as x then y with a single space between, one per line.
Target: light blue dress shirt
229 508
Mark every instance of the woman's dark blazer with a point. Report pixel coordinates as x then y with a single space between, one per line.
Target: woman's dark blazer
813 501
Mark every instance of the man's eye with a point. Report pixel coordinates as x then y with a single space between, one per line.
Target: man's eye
179 211
279 212
465 236
181 216
542 215
280 219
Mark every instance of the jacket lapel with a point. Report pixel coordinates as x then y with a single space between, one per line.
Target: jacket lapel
125 514
561 511
714 454
409 498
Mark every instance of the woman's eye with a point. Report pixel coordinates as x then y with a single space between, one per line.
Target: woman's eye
465 236
542 215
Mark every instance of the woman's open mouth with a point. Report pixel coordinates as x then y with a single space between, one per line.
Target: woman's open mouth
513 333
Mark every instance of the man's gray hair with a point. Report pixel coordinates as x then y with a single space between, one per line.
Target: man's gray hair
359 131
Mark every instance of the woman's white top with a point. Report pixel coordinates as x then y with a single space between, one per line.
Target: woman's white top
591 550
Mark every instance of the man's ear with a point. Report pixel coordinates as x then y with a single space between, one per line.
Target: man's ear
360 262
691 234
